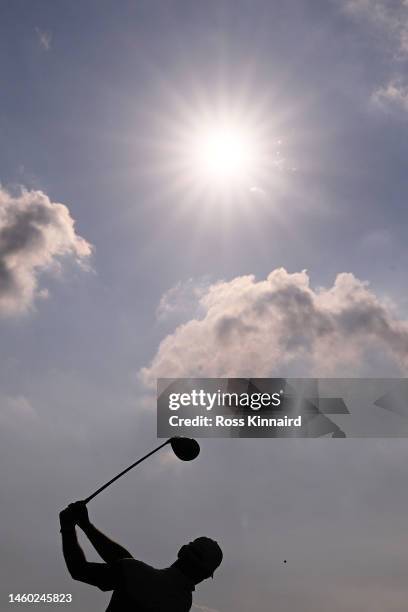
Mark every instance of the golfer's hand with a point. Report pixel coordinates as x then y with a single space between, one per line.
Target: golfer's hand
80 514
67 519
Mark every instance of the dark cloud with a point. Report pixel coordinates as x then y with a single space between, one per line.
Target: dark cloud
35 234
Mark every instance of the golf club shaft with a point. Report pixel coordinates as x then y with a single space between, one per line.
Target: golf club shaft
88 499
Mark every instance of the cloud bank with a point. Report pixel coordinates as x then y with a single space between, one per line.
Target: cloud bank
35 234
282 326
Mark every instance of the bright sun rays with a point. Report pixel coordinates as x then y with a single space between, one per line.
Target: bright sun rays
221 156
225 159
224 153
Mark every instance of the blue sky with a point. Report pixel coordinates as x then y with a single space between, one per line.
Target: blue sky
92 96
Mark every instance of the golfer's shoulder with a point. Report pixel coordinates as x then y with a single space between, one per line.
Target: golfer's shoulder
130 566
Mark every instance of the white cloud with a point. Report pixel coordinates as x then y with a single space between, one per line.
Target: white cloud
390 17
280 325
35 234
44 38
394 95
16 410
181 300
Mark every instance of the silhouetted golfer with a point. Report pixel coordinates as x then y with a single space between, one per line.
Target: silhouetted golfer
136 587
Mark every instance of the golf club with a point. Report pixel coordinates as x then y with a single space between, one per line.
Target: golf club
185 449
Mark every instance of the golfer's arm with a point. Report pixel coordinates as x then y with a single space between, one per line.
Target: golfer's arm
109 550
73 554
100 575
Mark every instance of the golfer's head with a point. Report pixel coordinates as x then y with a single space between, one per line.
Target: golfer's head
200 558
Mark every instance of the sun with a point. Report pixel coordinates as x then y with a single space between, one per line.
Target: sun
222 153
223 157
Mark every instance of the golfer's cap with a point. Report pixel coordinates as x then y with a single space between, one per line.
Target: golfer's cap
205 553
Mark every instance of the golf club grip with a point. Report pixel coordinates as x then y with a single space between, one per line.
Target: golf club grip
95 493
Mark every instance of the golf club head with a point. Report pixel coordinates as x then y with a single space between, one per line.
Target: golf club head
185 449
